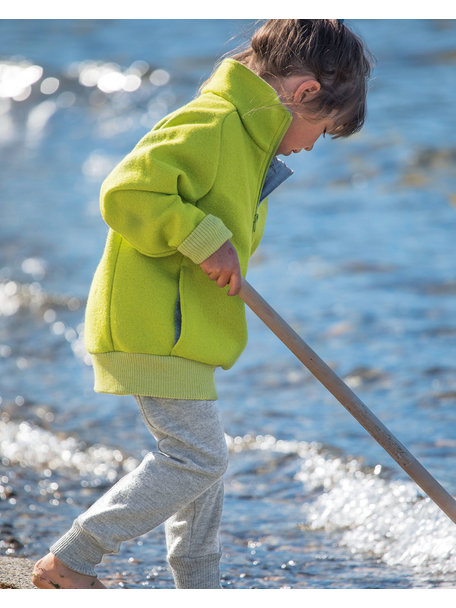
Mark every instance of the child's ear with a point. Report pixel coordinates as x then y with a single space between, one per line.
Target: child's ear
306 90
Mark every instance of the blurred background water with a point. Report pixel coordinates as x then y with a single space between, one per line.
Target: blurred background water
358 256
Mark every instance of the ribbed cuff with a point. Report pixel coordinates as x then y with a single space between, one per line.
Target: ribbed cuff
208 236
196 572
78 550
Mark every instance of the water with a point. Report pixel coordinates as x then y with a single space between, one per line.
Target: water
358 256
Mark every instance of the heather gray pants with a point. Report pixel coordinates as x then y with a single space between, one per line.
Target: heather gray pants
180 484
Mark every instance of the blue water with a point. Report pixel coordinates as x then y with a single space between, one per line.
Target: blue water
358 255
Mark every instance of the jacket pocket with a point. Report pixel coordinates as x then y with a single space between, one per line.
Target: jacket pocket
177 317
213 328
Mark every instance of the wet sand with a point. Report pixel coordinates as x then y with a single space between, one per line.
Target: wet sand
15 573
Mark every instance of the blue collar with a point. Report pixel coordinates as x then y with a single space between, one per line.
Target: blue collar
277 173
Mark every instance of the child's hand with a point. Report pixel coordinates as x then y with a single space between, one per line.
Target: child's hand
223 266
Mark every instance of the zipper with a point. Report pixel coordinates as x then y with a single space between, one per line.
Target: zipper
255 219
256 216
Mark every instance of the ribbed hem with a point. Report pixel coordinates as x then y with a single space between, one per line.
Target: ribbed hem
153 376
78 550
196 572
205 239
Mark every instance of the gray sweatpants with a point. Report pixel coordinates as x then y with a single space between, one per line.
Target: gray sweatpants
180 484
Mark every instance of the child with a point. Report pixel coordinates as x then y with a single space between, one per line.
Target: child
186 210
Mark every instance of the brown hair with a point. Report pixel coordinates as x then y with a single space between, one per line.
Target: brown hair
327 50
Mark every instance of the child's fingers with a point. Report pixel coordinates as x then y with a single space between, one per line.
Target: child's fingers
233 279
223 278
223 267
235 284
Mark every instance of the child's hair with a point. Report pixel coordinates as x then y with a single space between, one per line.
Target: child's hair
325 49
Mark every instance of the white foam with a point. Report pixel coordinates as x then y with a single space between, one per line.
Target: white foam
30 446
388 519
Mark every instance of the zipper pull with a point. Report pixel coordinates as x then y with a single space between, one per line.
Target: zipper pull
255 219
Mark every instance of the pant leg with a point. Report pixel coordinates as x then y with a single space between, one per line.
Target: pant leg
191 457
192 537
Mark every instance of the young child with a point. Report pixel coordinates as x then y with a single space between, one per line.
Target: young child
186 210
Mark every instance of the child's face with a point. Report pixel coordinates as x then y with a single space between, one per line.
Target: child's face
303 133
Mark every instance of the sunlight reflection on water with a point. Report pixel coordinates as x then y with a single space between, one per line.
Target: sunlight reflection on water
358 256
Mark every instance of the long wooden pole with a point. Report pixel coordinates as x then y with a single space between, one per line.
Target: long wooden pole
349 400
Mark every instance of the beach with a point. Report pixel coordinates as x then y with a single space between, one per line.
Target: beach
358 257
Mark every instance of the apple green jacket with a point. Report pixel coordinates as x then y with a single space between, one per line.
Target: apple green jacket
190 184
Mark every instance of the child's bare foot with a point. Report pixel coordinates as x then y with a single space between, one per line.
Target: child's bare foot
50 573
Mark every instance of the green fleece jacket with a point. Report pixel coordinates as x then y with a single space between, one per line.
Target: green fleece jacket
190 184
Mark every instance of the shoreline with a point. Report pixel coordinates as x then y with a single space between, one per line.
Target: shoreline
16 573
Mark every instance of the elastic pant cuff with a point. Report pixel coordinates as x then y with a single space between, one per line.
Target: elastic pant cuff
196 572
78 550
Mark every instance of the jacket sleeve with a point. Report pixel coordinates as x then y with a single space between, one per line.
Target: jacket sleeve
151 197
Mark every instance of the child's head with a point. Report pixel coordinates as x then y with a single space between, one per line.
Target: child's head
324 50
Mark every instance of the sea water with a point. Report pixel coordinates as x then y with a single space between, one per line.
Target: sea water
358 256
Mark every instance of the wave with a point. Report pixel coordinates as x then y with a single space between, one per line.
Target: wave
27 445
365 509
388 519
371 512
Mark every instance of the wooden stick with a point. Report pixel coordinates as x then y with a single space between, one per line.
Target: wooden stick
349 400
